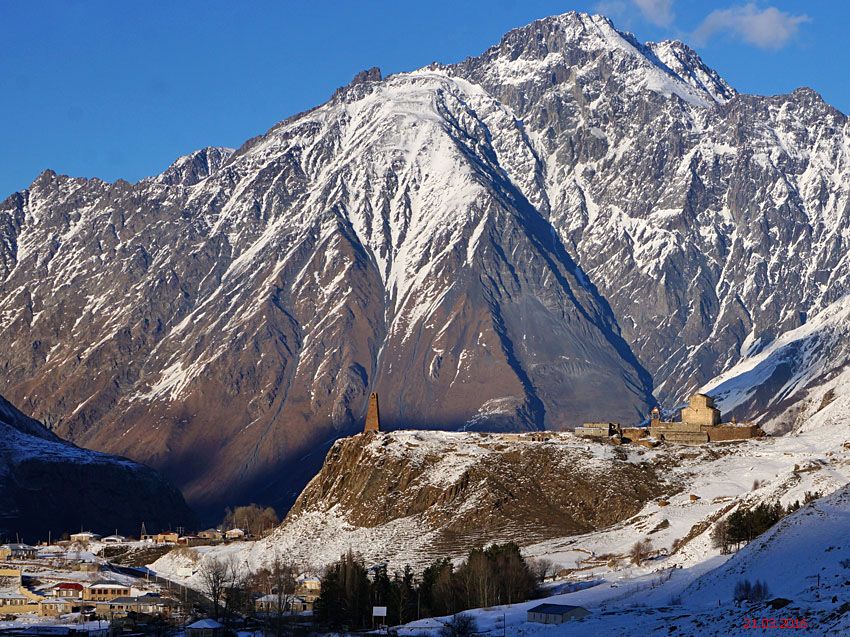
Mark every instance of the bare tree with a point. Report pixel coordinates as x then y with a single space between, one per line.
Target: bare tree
235 589
541 568
214 574
640 551
460 625
477 577
282 585
251 518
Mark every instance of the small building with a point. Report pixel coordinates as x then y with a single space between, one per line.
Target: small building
50 550
104 590
68 590
11 600
54 607
18 551
234 534
166 538
309 588
114 539
85 629
205 628
556 613
300 605
282 604
271 603
84 537
89 566
147 604
211 534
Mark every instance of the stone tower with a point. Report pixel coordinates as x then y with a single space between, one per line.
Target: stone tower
373 417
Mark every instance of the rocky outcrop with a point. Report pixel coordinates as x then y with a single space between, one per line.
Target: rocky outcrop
48 485
461 490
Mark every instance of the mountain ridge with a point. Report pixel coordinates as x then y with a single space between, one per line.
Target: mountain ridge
48 485
560 229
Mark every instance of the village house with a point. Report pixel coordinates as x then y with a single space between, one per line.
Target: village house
11 600
15 598
68 590
556 613
54 607
51 550
147 604
282 604
114 539
84 537
205 628
104 590
234 534
17 551
308 588
211 534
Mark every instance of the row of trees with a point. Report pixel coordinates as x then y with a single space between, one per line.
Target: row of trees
745 591
744 525
255 520
498 574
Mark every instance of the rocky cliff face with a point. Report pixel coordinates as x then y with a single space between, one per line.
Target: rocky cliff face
547 233
415 496
49 485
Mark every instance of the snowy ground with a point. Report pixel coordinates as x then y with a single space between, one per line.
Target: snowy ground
805 559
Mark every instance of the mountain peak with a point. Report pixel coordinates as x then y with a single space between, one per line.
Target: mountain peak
560 33
577 47
194 167
686 64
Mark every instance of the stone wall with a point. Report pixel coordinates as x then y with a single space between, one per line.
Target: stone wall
686 437
733 432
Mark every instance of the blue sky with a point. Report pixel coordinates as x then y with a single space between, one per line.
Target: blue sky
119 90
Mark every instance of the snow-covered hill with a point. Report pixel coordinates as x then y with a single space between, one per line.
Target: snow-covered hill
546 233
796 376
804 559
49 485
411 497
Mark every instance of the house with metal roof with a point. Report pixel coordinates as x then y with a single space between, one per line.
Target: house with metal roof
556 613
205 628
17 551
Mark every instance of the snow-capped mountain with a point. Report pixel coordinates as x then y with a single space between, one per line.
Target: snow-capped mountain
793 378
49 485
546 233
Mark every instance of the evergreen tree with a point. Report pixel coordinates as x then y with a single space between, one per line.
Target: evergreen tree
345 596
